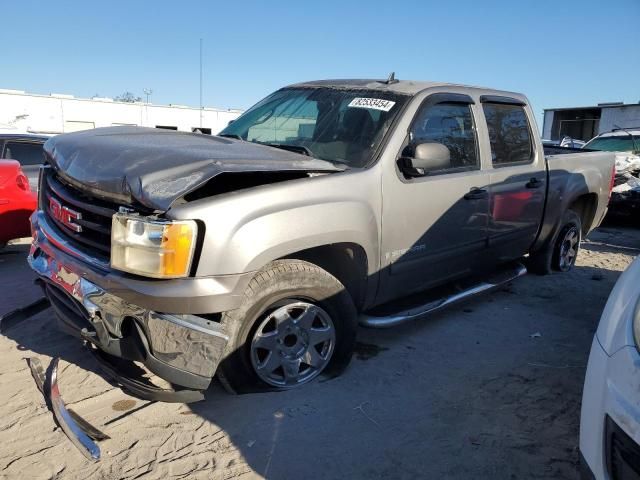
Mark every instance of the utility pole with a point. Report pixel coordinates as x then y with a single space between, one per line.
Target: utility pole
201 107
147 93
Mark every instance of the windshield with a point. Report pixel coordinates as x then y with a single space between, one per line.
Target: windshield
344 126
615 144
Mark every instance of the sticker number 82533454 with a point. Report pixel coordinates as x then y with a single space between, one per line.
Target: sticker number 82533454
372 103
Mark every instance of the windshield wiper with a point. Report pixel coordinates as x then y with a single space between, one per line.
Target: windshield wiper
303 151
292 148
231 135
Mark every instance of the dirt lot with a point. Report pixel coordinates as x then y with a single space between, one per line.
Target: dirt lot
473 392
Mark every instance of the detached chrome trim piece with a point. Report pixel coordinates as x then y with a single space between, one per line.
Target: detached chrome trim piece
372 321
77 436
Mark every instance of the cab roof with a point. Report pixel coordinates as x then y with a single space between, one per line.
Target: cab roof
402 87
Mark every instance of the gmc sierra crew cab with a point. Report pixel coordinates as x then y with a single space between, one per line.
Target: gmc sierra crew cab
254 254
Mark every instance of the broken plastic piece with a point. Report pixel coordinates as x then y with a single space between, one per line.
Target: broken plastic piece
37 372
140 389
77 436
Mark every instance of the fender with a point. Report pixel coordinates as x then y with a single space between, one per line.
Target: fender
246 230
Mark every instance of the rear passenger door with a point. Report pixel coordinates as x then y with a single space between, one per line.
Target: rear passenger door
30 156
517 179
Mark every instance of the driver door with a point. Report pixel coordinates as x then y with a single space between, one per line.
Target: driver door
435 224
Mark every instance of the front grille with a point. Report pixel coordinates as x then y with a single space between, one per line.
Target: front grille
95 215
623 453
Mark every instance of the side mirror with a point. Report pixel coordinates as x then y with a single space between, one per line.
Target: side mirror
420 159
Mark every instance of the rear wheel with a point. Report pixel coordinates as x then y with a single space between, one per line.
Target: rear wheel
296 322
561 252
568 243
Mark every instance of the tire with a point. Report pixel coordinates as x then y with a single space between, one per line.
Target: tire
288 296
551 258
567 243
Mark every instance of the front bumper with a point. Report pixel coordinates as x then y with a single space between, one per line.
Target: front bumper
611 413
195 295
182 348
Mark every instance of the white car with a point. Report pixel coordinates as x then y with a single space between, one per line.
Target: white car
610 420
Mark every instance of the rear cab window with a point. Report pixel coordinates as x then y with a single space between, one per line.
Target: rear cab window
509 134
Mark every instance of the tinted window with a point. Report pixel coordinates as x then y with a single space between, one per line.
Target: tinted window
509 133
450 124
25 153
338 125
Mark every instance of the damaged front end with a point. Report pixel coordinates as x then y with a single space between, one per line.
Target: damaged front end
120 273
182 349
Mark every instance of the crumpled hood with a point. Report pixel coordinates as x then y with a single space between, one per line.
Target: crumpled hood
156 167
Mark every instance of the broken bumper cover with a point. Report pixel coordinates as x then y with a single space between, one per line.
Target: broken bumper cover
183 349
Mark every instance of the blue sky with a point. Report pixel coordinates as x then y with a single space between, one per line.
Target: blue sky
559 53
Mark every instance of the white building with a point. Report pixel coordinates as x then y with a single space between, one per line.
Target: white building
584 123
52 114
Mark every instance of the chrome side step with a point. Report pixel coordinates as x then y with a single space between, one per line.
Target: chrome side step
392 320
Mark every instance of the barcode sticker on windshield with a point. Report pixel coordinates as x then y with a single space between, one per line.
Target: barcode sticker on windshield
372 103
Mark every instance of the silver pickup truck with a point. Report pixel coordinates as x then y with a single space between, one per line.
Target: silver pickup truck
254 254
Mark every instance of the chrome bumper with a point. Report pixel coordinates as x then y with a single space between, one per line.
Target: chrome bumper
184 349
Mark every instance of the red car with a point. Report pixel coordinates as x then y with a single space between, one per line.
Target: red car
17 202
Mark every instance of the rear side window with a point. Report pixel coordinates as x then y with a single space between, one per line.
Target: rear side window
23 152
509 134
450 124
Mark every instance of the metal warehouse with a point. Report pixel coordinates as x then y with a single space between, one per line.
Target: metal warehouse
584 123
57 113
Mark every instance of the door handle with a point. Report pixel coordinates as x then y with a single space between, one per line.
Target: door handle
476 193
534 183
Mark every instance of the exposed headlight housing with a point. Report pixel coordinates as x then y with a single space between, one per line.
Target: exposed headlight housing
152 248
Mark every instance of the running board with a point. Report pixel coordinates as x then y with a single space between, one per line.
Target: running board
394 319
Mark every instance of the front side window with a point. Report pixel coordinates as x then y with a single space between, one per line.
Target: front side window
450 124
23 152
509 134
339 125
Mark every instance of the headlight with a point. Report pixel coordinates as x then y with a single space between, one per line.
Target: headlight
153 248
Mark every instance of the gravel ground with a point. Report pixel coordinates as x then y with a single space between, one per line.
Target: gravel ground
489 389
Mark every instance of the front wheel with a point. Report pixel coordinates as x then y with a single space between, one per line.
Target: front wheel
296 322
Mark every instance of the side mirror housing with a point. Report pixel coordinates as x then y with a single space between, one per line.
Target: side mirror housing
420 159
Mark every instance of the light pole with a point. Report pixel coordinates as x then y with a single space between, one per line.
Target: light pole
147 92
201 107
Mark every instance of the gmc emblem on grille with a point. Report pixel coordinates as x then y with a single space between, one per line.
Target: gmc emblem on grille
65 215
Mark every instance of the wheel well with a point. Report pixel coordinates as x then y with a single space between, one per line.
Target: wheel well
345 261
585 206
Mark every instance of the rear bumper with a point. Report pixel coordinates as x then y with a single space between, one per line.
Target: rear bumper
180 347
